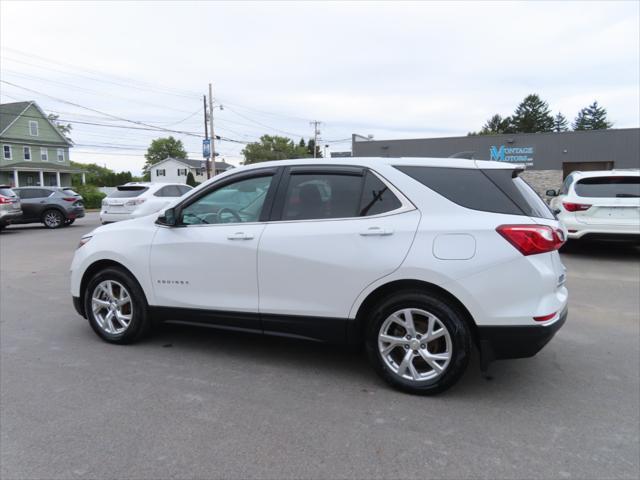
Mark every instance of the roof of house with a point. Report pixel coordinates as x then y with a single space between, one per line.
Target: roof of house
46 166
197 163
9 113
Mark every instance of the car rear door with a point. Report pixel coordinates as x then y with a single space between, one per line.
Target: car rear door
334 231
33 201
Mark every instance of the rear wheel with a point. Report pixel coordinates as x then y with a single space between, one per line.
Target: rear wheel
418 342
52 218
116 306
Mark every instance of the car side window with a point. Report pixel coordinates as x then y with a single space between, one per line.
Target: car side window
183 189
237 202
566 184
376 197
321 196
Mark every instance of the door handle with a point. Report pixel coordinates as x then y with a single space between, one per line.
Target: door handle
239 236
376 231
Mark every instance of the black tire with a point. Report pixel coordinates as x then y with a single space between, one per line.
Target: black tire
69 221
449 316
53 218
140 323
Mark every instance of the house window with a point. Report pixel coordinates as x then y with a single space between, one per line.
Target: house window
33 128
27 153
182 172
60 153
160 172
199 172
44 155
6 151
29 180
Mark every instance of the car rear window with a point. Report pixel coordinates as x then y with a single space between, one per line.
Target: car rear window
491 190
608 187
7 192
128 191
68 191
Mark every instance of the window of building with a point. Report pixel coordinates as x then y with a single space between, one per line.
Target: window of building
44 155
33 128
27 153
6 152
60 154
182 172
199 172
160 172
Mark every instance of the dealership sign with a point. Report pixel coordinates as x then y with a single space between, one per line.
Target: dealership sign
511 154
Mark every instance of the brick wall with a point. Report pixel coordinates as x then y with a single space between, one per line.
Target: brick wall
543 180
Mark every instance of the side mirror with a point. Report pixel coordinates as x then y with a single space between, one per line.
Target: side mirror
551 193
556 211
169 218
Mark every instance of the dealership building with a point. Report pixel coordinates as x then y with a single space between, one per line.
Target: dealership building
548 157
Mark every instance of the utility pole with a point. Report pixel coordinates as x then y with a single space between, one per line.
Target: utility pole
206 135
213 136
316 132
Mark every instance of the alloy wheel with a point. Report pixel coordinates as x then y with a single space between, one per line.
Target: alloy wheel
415 344
53 219
112 307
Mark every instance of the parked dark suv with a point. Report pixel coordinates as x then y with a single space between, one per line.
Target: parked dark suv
53 206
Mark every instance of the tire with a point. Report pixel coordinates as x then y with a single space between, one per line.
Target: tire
69 221
116 328
409 364
53 218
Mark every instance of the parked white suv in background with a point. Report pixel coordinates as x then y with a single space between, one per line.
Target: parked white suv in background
419 259
599 204
137 199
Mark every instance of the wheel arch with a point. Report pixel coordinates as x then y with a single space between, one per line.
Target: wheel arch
356 333
95 268
53 207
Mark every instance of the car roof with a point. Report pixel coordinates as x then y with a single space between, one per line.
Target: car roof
372 162
630 172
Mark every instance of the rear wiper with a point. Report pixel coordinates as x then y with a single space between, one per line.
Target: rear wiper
626 195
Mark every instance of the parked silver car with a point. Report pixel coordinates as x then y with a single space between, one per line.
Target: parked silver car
53 206
10 209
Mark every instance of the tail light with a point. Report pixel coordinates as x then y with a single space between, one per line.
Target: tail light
544 318
575 207
532 239
133 203
4 200
69 199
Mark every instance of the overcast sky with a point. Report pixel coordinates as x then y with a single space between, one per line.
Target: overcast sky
394 70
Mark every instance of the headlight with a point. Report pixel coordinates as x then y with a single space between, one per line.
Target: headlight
84 240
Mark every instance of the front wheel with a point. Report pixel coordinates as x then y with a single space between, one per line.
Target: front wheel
116 306
418 342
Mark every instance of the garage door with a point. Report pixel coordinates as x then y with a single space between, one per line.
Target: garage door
568 167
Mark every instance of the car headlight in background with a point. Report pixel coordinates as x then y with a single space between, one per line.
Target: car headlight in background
84 240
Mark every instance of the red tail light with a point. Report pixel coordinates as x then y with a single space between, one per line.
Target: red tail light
5 200
69 199
544 318
532 239
575 207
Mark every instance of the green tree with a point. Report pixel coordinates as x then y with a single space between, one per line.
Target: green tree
274 147
65 128
160 149
100 176
560 123
592 117
311 145
532 115
496 124
191 181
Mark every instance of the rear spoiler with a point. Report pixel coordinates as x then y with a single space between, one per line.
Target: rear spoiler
129 188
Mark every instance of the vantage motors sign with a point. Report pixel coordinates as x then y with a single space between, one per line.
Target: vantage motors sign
511 154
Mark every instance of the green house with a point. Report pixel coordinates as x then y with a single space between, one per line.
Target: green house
34 152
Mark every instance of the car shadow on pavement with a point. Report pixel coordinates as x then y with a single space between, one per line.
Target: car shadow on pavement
602 249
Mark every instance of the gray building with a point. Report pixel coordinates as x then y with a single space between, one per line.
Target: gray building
548 157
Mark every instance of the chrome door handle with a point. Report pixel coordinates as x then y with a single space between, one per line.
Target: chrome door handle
239 236
376 231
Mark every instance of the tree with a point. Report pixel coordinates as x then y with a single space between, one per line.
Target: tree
65 129
274 147
160 149
560 123
532 115
496 124
190 180
100 176
592 117
310 147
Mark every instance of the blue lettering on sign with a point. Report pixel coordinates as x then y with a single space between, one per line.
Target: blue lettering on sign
511 154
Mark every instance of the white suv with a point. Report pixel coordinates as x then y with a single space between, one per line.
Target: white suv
137 199
599 204
419 259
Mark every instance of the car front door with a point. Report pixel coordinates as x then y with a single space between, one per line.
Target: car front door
335 230
207 264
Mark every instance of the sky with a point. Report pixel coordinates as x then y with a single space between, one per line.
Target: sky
387 69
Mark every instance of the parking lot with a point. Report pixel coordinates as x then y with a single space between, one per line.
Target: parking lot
198 403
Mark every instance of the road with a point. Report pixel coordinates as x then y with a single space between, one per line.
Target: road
199 403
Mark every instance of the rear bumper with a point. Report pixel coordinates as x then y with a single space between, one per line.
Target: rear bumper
7 217
576 229
106 217
501 342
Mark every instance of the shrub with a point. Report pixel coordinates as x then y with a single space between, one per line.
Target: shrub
91 195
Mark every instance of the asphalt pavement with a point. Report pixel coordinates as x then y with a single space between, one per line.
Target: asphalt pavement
199 403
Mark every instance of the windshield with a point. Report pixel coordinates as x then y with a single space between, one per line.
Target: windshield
608 187
126 191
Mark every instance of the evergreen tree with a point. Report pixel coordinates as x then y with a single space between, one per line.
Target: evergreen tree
497 124
191 181
311 145
532 115
592 117
560 123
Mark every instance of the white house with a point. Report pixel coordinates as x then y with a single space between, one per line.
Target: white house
175 170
